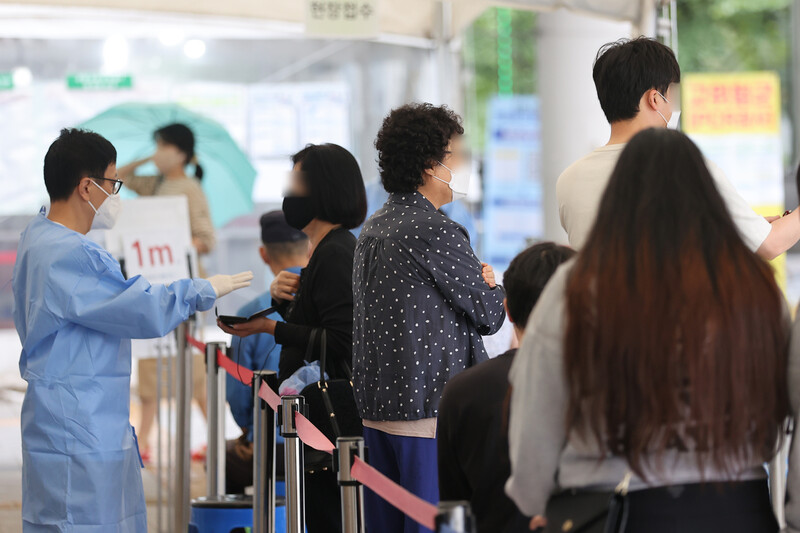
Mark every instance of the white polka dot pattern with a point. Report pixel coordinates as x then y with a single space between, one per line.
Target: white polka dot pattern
420 308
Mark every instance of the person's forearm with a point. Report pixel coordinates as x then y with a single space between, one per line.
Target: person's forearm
127 171
784 233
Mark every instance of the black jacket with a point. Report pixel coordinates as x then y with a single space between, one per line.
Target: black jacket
473 445
324 300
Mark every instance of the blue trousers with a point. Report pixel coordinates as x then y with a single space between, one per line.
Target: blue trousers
409 462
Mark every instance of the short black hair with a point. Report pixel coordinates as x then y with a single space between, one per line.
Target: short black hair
74 155
412 138
334 183
527 275
625 69
285 250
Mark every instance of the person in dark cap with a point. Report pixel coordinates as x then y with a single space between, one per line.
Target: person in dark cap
282 248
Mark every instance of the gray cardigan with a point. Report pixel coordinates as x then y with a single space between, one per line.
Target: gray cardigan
544 457
793 481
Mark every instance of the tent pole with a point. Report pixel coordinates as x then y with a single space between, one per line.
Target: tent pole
447 85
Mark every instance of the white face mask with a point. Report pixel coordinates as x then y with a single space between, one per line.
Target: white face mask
107 214
672 123
459 181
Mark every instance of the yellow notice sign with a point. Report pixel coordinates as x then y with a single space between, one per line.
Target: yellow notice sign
736 102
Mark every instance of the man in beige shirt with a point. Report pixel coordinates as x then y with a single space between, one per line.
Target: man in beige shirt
638 85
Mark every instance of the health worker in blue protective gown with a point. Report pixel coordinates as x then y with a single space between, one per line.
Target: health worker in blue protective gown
75 314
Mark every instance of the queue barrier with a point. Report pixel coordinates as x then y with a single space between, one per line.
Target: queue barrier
446 517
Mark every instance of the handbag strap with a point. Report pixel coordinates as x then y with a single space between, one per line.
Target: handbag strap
323 383
312 340
323 356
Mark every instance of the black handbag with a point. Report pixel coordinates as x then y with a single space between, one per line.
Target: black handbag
331 406
585 511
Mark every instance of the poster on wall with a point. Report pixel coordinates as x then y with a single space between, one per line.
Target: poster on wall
270 121
283 118
512 205
224 102
735 119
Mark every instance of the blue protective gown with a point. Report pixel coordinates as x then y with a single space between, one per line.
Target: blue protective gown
75 315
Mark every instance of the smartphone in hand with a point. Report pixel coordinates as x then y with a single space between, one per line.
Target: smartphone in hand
230 320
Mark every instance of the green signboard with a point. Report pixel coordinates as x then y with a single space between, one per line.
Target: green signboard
99 82
6 81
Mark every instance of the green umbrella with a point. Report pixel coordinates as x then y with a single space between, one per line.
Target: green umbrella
228 175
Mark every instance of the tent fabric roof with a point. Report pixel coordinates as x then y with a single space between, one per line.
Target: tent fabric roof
411 18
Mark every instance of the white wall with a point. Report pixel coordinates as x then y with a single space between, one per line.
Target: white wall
572 122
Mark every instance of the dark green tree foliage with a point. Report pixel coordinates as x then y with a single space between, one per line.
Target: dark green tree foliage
735 35
713 36
480 58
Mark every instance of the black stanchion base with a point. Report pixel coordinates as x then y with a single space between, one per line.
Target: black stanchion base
230 501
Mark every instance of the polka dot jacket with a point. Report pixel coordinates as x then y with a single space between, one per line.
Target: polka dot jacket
420 308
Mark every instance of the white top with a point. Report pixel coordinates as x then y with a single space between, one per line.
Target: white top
580 188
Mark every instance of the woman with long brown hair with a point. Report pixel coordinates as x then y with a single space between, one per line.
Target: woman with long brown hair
657 358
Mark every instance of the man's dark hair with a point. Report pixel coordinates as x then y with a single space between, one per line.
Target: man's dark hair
75 155
285 250
527 276
624 70
412 138
334 183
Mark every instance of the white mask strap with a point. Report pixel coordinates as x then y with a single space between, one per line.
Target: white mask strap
99 187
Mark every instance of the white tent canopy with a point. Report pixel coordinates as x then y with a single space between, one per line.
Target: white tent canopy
422 19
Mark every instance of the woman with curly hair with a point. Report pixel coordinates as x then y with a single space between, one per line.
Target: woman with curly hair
422 300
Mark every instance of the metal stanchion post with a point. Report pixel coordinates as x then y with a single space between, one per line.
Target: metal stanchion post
264 430
347 448
212 407
171 402
455 517
222 409
159 430
293 452
184 427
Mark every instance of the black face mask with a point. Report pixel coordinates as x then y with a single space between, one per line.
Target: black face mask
299 211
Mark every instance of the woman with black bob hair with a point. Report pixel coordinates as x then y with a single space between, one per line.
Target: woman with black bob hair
325 200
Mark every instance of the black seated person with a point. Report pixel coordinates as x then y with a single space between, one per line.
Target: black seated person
473 431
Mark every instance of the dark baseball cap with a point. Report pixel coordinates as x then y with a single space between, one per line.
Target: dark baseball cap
275 229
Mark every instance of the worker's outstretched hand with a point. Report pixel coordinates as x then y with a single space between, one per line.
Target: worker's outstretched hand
224 284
